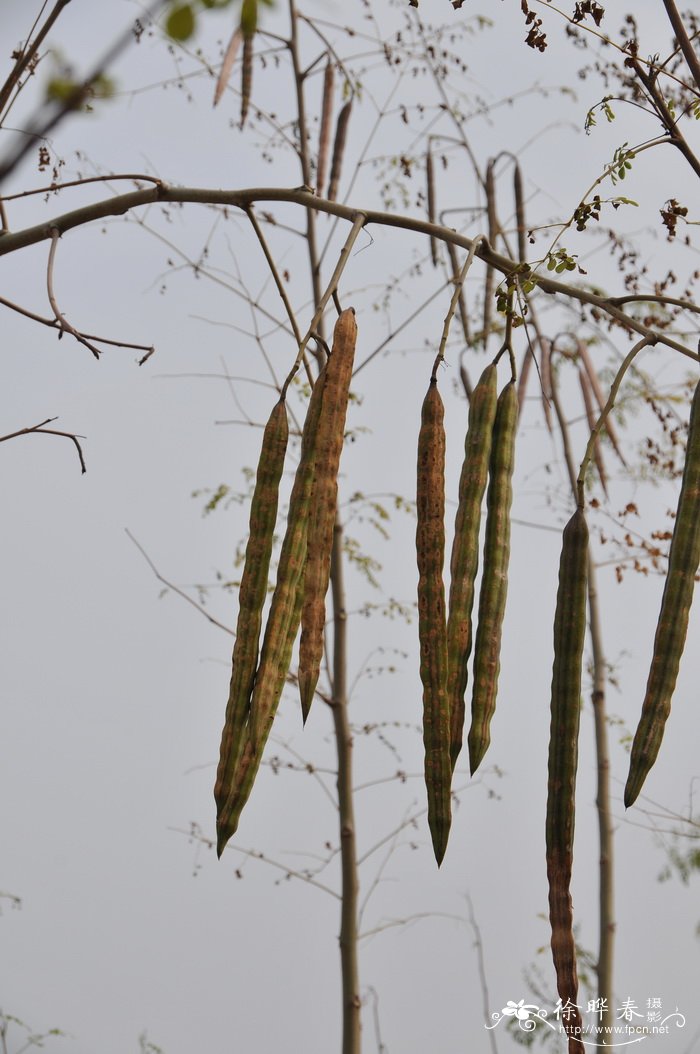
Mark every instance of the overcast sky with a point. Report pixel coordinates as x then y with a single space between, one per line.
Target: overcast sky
114 694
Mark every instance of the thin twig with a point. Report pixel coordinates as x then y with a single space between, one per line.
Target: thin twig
52 432
458 284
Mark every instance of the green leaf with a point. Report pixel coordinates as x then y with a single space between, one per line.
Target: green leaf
180 23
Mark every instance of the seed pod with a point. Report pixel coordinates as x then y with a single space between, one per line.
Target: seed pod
569 635
465 548
493 234
341 135
525 368
280 631
324 135
590 417
494 582
252 593
600 398
324 495
430 177
672 627
227 64
246 75
432 628
520 212
546 378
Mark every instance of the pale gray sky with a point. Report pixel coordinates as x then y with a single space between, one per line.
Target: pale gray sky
114 697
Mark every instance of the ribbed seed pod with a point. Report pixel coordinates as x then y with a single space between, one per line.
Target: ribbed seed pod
252 594
569 636
341 135
672 627
494 582
280 631
465 548
432 627
520 212
246 75
324 495
324 135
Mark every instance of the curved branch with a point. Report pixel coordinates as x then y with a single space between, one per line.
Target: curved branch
40 429
244 199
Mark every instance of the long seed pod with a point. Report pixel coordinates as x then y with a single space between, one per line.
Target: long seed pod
432 627
494 582
227 64
430 177
493 233
546 378
280 631
569 635
672 627
252 593
341 135
525 368
246 75
324 495
591 418
465 548
600 398
520 212
324 135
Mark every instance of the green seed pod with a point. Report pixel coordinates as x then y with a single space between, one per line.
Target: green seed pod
494 582
324 496
672 627
432 627
252 594
280 631
465 548
569 636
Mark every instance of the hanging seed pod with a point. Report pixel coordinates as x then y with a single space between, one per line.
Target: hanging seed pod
465 548
590 417
600 398
249 25
246 76
494 582
546 378
493 234
341 135
432 628
430 176
280 631
520 212
227 64
324 495
324 135
525 368
672 627
252 593
569 635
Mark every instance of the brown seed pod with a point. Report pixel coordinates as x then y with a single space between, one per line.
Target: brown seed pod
341 135
227 64
600 398
494 582
329 446
432 627
324 135
591 418
465 548
672 627
252 594
569 636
